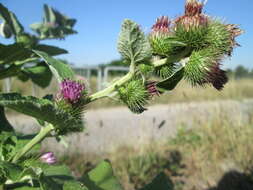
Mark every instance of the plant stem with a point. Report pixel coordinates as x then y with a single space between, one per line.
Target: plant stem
172 59
111 88
104 93
37 139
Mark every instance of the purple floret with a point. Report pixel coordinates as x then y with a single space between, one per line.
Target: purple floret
48 158
71 91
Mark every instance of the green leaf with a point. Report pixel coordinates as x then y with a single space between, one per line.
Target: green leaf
12 171
8 144
161 182
132 43
25 187
54 25
73 185
60 70
50 50
49 14
40 74
54 177
47 183
101 178
14 52
11 19
4 123
42 109
171 82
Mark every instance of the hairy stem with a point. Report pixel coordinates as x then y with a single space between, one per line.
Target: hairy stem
173 58
104 93
37 139
112 87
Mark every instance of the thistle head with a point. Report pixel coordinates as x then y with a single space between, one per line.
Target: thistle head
71 91
193 17
193 7
204 68
162 25
48 158
216 76
159 35
134 95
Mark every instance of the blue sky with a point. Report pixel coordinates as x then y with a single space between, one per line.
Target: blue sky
99 22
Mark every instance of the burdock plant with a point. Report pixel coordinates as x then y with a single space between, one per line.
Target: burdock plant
190 47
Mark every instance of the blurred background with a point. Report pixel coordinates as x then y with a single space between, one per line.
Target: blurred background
200 137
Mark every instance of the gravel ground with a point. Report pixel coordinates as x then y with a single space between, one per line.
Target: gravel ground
107 129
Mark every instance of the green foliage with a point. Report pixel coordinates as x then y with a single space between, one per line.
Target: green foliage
101 178
5 30
40 74
60 70
11 171
13 53
132 44
28 40
10 19
50 50
134 95
5 126
16 55
166 70
54 25
8 144
171 82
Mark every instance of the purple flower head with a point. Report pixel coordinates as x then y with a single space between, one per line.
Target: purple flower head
151 87
162 25
71 91
193 17
48 158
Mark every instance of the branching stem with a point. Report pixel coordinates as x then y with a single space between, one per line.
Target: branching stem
37 139
107 91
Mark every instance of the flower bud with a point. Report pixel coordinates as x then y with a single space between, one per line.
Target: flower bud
71 91
134 95
193 17
48 158
159 35
204 68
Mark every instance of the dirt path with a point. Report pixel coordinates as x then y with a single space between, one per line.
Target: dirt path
107 129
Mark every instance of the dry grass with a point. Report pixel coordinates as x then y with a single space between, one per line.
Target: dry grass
195 159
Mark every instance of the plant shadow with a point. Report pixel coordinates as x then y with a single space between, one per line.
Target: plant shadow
234 180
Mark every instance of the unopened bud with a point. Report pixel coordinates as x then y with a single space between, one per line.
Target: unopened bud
48 158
